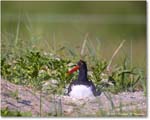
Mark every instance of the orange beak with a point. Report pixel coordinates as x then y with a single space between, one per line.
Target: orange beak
73 69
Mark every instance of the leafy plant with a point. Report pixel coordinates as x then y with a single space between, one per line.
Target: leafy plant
34 69
123 77
7 113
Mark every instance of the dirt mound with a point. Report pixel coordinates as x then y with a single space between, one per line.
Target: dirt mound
20 98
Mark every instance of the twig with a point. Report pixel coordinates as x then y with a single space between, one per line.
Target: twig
54 42
83 46
114 54
17 31
131 64
109 97
40 101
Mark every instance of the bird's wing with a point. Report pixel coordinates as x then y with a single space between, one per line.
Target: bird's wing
69 88
96 93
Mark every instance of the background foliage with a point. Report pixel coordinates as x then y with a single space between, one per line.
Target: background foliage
34 34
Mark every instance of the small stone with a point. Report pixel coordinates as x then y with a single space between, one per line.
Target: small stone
68 110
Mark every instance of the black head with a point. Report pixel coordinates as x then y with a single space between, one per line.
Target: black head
82 65
82 70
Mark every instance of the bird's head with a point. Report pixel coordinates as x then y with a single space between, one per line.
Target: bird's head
80 66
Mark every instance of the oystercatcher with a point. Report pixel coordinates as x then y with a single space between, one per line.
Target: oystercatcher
81 87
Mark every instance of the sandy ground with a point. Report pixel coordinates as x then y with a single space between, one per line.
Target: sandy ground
24 99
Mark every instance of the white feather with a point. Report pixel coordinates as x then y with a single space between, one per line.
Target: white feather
81 91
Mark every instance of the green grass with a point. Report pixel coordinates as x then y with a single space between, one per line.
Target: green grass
33 68
34 61
26 25
119 112
30 63
7 113
35 50
14 95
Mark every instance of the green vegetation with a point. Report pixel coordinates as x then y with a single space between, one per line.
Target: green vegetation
33 69
59 27
7 113
42 40
121 113
14 95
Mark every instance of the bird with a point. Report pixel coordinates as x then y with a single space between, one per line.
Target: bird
82 87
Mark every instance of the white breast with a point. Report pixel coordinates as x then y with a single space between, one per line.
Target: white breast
81 91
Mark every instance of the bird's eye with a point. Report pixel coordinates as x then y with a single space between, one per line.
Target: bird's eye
81 61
